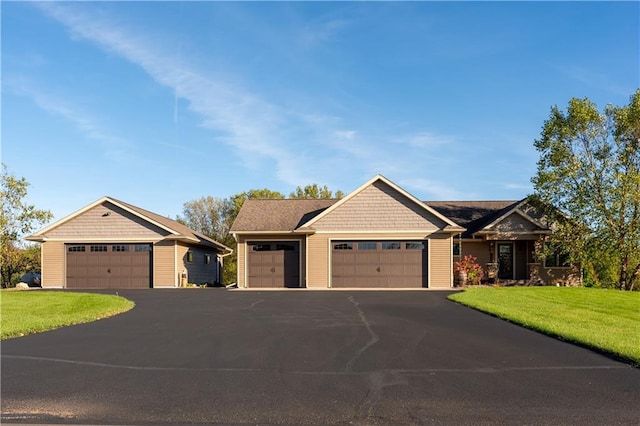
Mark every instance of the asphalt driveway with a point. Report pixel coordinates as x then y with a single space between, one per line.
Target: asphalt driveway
308 357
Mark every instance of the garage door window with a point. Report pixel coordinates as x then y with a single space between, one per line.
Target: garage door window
343 246
98 248
286 247
119 248
76 248
261 247
367 246
391 246
414 246
142 247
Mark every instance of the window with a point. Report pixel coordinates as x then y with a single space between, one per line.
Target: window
343 246
557 259
142 247
414 246
119 248
189 256
207 259
76 249
371 245
261 247
286 247
456 249
391 246
98 248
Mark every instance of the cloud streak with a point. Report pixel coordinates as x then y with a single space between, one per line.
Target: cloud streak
302 146
115 147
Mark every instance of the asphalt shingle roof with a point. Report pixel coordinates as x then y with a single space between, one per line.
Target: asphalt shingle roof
277 215
286 215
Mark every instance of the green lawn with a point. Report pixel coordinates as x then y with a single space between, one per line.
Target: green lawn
27 312
605 320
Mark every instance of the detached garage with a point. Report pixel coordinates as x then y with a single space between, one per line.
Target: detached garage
112 244
378 236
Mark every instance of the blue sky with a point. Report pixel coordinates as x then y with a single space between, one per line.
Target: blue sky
159 103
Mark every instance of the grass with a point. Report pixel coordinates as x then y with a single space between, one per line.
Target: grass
605 320
28 312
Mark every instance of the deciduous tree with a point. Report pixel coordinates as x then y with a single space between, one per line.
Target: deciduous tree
314 191
589 168
17 219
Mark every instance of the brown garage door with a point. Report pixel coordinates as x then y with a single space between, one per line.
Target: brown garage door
379 264
108 265
273 264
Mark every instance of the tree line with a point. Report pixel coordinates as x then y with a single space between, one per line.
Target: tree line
214 217
588 178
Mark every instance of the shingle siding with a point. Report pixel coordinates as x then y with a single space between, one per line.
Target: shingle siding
379 208
107 222
514 223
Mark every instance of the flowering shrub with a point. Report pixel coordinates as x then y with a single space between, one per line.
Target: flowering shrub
469 265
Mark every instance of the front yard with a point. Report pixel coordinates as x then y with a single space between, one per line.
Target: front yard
604 320
27 312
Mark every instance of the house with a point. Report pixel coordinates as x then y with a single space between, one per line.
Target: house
112 244
381 236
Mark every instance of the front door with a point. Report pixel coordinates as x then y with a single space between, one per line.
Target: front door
505 261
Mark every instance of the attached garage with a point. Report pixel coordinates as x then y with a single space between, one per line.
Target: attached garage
379 236
273 263
379 264
109 265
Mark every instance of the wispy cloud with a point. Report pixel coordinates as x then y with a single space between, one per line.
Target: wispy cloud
593 79
115 147
424 140
301 144
311 36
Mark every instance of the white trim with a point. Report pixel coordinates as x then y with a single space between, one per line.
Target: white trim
92 240
329 263
515 209
366 185
420 232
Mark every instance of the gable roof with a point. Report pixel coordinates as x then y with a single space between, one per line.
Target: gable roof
278 215
478 216
473 215
450 224
176 229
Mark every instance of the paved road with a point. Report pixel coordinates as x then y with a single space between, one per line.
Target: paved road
301 357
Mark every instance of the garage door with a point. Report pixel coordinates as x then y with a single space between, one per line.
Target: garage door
379 264
108 265
273 264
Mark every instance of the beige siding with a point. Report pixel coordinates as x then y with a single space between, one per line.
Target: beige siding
514 223
440 257
379 208
106 222
242 264
318 251
479 249
53 264
164 267
240 252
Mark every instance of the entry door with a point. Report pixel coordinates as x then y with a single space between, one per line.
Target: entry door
505 261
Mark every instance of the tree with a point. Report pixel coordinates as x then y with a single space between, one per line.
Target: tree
314 191
589 169
213 217
17 219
